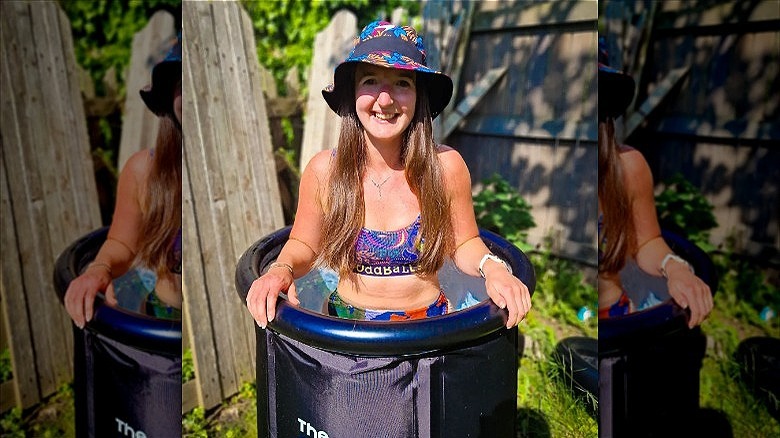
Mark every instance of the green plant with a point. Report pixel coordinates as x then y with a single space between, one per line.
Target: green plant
6 368
500 208
682 208
562 290
285 31
194 424
187 366
11 424
103 33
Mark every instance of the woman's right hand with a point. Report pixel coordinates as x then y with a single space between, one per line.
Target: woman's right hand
80 296
264 292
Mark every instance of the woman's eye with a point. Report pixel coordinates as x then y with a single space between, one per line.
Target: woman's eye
368 81
404 83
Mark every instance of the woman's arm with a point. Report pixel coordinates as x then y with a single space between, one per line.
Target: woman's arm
685 288
117 253
299 252
503 288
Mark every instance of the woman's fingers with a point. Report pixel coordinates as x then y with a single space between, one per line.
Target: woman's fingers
292 295
694 295
263 295
512 295
79 300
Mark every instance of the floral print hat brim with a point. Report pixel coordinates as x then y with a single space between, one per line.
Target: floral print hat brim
386 45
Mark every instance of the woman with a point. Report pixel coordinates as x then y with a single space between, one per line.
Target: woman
388 205
146 225
628 225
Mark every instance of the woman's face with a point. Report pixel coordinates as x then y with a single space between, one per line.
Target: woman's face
385 100
177 101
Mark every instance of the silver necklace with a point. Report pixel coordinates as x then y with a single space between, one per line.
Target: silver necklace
379 185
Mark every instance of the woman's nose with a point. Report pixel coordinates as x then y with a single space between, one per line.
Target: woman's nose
384 98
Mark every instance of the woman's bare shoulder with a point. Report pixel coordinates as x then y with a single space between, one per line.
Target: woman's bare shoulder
636 172
139 164
449 157
632 160
319 164
456 172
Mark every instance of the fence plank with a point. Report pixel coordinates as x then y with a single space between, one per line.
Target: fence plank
50 189
539 117
331 46
231 188
150 45
24 389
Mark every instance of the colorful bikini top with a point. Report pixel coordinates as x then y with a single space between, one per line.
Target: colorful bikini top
388 253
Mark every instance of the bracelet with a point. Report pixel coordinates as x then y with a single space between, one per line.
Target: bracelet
280 265
490 256
304 243
675 257
103 265
465 242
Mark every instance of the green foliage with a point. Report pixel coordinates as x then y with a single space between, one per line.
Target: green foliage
682 208
500 209
187 366
6 368
11 424
103 33
743 291
285 30
194 424
562 289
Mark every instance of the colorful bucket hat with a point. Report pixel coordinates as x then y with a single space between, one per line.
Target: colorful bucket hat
158 96
616 89
386 45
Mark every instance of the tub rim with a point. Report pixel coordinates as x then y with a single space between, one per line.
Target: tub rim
665 319
382 338
139 331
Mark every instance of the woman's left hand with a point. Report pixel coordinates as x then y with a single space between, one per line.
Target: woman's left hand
508 292
690 292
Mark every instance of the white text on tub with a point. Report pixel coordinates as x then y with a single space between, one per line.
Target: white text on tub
309 430
125 429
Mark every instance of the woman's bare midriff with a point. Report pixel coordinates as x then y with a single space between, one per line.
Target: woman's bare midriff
407 292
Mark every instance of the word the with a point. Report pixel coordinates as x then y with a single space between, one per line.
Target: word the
309 430
125 429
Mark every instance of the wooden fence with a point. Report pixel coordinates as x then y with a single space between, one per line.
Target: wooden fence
48 193
230 192
150 45
526 82
708 107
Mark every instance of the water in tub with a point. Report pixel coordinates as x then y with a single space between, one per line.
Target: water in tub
132 288
645 290
462 290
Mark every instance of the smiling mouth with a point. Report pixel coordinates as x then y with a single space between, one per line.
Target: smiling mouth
384 116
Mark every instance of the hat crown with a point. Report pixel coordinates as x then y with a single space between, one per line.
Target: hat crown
406 35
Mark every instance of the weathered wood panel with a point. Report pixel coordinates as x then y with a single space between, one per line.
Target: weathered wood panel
48 189
720 126
150 45
231 196
537 126
331 46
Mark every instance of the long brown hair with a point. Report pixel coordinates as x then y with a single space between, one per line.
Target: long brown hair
344 201
619 232
162 199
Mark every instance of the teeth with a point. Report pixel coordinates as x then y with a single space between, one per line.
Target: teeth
382 116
